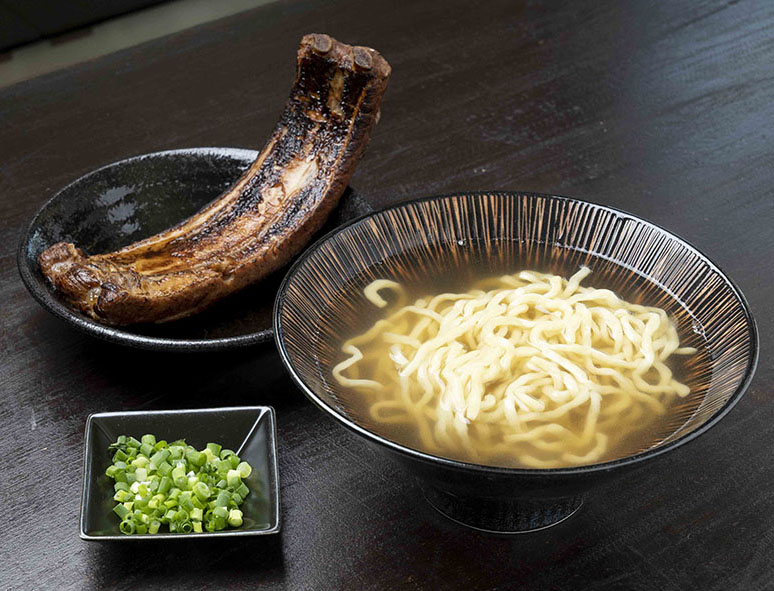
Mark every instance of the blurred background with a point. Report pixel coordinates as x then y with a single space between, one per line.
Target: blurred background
40 36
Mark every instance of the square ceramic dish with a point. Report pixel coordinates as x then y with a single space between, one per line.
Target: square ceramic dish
250 430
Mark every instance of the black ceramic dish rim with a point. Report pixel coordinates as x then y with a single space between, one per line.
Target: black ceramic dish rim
496 470
275 490
114 334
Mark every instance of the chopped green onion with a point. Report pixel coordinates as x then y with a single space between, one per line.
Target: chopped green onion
233 478
244 469
202 491
122 496
159 457
175 485
164 485
121 511
196 458
176 451
127 527
223 498
235 518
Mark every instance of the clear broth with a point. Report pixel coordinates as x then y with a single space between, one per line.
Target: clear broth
472 262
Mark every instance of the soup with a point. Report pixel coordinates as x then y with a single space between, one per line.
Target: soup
528 369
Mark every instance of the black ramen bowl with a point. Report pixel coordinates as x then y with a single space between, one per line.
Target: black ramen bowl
321 303
129 200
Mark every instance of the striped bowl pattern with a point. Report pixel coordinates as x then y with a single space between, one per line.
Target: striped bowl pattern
321 302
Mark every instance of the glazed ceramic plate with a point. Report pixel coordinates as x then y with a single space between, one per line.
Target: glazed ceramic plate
135 198
250 430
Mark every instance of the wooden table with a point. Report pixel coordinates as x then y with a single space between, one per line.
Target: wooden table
664 109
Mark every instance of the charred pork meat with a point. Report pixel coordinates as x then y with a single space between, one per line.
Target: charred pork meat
257 225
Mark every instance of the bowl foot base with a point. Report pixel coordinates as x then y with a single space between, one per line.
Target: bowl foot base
500 515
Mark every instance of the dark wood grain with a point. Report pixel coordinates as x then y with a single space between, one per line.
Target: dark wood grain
663 109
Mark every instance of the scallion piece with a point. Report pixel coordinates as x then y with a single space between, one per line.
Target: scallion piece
195 458
244 469
159 457
233 478
121 511
202 491
122 496
223 498
165 483
235 518
127 527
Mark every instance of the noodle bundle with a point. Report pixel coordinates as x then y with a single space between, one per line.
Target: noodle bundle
528 370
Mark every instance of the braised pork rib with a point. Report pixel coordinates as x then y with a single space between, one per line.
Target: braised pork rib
258 224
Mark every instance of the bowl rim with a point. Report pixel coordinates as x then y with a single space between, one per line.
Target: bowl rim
421 456
267 413
114 334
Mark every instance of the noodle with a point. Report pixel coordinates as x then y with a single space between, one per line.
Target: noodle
528 369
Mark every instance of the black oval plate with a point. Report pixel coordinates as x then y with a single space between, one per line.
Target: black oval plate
129 200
